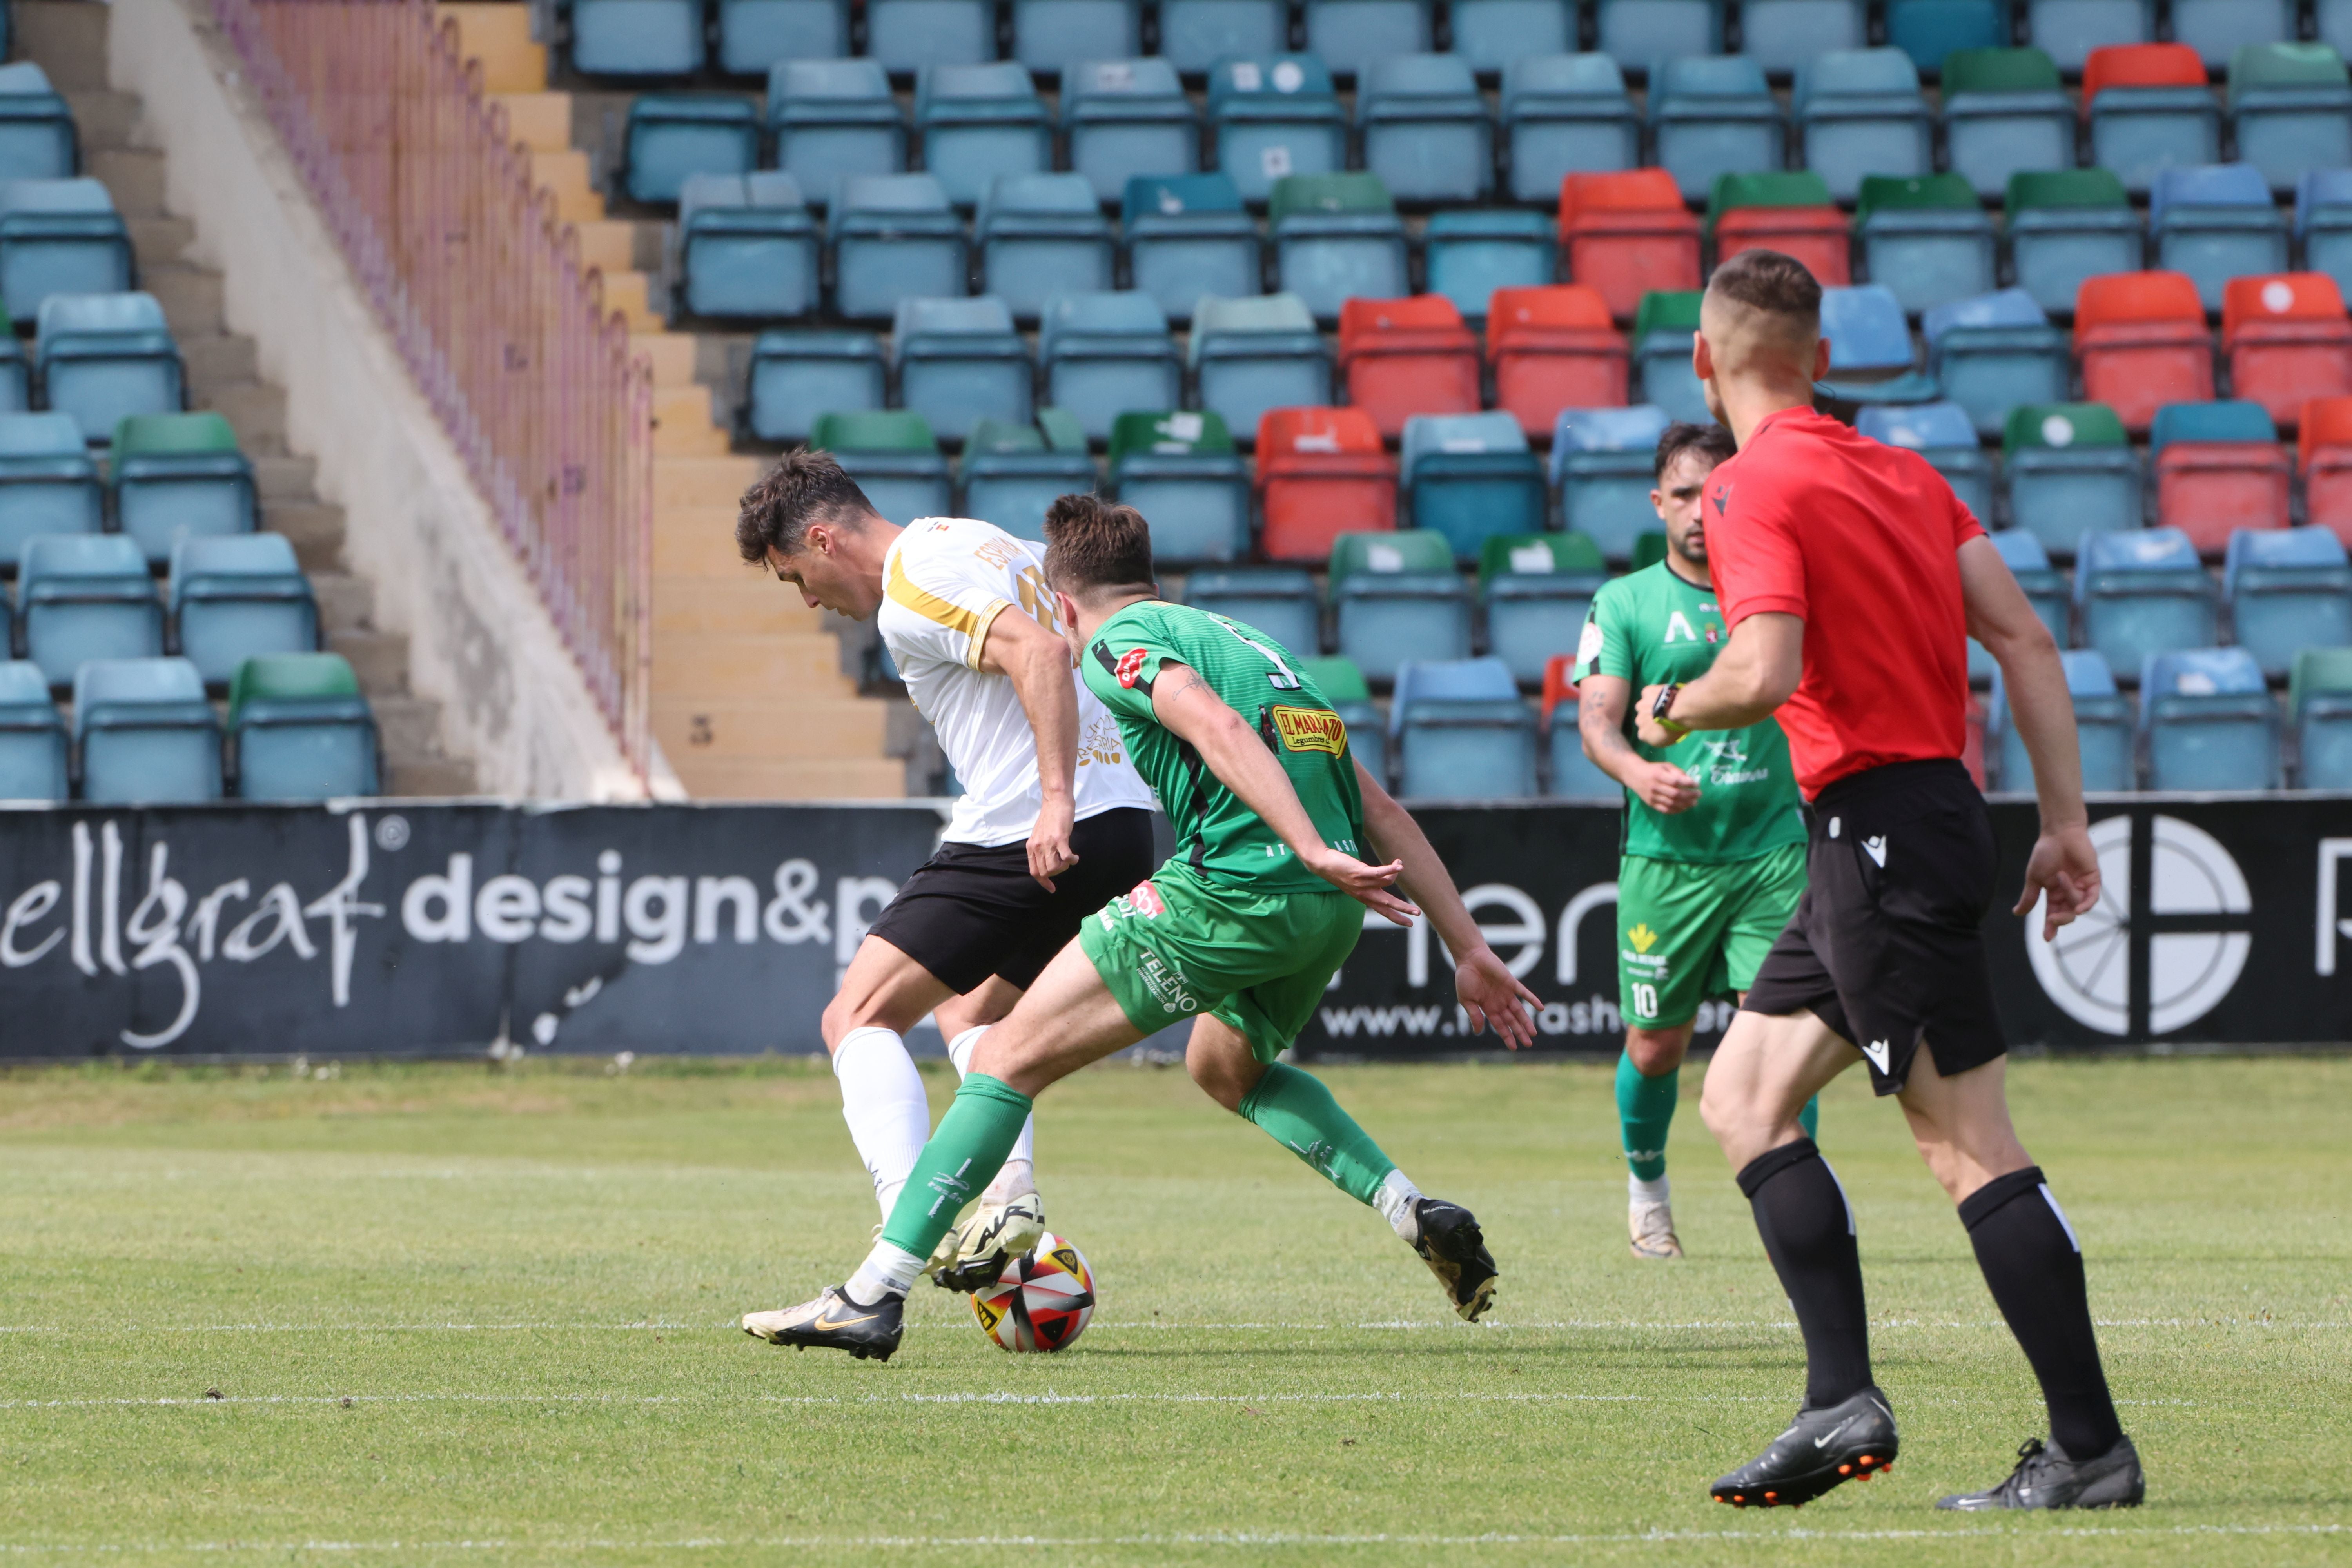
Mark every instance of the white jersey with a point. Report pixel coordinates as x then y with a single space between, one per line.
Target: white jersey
945 581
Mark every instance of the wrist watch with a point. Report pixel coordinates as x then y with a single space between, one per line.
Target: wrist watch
1665 700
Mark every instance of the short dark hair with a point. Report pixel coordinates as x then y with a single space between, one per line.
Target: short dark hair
805 486
1093 543
1776 284
1712 442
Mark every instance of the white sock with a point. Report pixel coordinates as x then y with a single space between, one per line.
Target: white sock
888 1271
1020 1172
1641 1192
882 1100
1394 1200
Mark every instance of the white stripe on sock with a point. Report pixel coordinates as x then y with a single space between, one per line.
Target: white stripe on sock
2052 1199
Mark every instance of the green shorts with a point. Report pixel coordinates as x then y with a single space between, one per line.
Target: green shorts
1688 931
1180 945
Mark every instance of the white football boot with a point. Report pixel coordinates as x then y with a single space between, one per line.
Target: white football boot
1653 1226
985 1240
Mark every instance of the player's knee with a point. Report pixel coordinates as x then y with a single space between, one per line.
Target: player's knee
1218 1080
1657 1052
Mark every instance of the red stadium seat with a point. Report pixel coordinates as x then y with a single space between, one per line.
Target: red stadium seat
1553 348
2287 340
1403 357
2219 469
1557 687
2325 438
1821 237
1626 233
2142 341
1321 472
2139 65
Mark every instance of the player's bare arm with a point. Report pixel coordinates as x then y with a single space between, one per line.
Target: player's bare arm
1600 702
1037 663
1760 666
2063 865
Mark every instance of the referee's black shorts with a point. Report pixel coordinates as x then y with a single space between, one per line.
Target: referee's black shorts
973 911
1887 944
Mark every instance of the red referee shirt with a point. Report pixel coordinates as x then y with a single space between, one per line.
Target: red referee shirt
1861 539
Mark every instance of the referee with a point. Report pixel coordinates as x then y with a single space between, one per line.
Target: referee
1852 577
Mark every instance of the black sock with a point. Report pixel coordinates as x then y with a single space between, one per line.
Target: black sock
1808 1230
2034 1268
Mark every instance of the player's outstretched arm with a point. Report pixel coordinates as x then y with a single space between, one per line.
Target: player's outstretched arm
1039 664
1600 724
1760 665
1490 992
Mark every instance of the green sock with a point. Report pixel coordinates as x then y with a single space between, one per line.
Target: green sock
966 1151
1809 1119
1295 1110
1645 1109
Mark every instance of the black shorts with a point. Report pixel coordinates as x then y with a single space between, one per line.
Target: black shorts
973 911
1888 944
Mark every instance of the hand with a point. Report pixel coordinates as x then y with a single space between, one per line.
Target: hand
1490 993
1664 787
1651 731
2064 866
1049 842
1368 885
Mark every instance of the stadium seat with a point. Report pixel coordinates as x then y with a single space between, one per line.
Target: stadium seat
959 361
2287 340
1187 236
37 129
978 122
2069 467
1251 356
47 482
1553 348
1663 328
180 476
1861 112
1711 116
637 39
2004 113
1927 238
1537 590
16 374
2104 728
1425 128
747 247
1870 346
894 457
1335 238
236 596
2218 468
2287 590
2221 31
833 120
33 752
1127 119
1647 30
1321 472
1471 477
1495 36
2045 588
145 733
1790 212
1932 31
1040 236
1343 686
757 36
2325 439
2323 223
1625 234
2214 224
1108 354
82 597
1396 598
1182 472
1352 36
673 135
2142 342
2207 721
2141 592
303 730
1279 601
2319 702
59 236
1010 473
2067 226
1562 114
797 376
1462 732
2150 110
1944 434
103 357
1784 36
1995 352
894 237
2290 110
911 37
1569 773
1272 119
1409 356
1054 38
1194 35
1469 255
1602 463
2070 30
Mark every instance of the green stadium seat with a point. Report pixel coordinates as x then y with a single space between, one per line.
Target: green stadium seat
2069 468
1180 469
2068 225
2319 703
2005 114
2290 109
303 730
1537 590
1663 327
1011 473
1927 238
1335 238
180 476
1396 599
894 457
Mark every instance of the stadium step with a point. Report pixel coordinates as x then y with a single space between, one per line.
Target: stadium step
498 34
785 778
67 39
190 298
217 359
539 120
752 602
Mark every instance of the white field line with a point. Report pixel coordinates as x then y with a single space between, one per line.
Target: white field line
1247 1401
1100 1326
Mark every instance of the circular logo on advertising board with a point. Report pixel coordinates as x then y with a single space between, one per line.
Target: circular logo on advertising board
2087 971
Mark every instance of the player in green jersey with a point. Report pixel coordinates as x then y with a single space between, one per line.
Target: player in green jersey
1241 931
1715 839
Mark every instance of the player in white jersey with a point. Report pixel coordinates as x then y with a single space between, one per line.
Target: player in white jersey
1053 821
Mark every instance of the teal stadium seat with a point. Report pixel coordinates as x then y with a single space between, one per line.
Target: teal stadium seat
637 39
1188 236
59 236
1337 237
1396 599
1251 356
2069 467
2005 113
1271 118
2290 109
1108 354
1194 35
909 36
1053 37
1562 114
1011 473
959 361
180 476
797 376
2221 31
1932 31
34 755
2214 224
979 122
835 119
1279 601
1944 434
748 249
303 730
104 357
1494 34
670 136
82 597
1995 352
1425 126
1471 253
1713 115
146 735
757 36
1471 477
37 129
238 597
1351 35
894 237
2142 592
1462 732
1638 32
1862 113
1180 469
2207 721
2287 589
1128 120
1537 591
1927 237
2319 700
2103 731
1041 235
894 457
1601 465
1785 36
47 482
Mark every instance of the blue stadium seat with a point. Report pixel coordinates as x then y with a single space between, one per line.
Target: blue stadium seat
146 734
59 236
1010 473
303 730
82 597
1253 354
1396 598
236 596
2323 223
47 482
1180 469
673 135
1468 254
833 120
2104 729
2068 225
1196 33
2068 30
1600 461
1786 34
747 247
1425 128
1943 433
1994 353
16 376
180 476
2045 588
1451 680
1862 113
2320 701
1712 116
1537 591
1270 119
1931 31
2208 722
1564 114
104 357
2287 589
909 36
1569 773
1462 732
2214 224
1496 35
1638 32
959 361
796 377
1127 119
1663 328
2004 110
894 237
1279 601
1471 477
2334 20
1188 236
33 752
37 129
1052 37
2290 110
1337 237
2218 29
1042 235
1105 354
1870 347
1927 238
2068 467
757 36
1349 36
2138 131
636 38
894 457
2141 592
978 122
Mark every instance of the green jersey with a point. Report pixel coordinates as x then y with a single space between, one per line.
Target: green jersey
1652 626
1216 835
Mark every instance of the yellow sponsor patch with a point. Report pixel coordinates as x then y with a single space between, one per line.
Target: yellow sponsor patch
1310 729
1642 937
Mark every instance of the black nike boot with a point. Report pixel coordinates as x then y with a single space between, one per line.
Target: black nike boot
833 1322
1851 1440
2046 1478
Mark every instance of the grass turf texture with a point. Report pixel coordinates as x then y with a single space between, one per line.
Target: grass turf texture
454 1315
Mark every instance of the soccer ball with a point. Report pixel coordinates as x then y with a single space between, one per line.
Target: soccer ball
1041 1302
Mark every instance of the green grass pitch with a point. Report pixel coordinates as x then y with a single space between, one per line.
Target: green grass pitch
442 1314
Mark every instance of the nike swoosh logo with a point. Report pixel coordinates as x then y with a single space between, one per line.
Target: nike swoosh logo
826 1325
1826 1438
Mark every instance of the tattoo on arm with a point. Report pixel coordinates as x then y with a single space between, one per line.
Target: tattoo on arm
1192 681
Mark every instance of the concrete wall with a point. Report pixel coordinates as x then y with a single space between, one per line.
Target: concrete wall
481 640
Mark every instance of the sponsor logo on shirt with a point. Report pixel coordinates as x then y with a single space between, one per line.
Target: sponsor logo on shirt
1643 938
1588 643
1166 984
1726 762
1144 898
1310 729
1129 668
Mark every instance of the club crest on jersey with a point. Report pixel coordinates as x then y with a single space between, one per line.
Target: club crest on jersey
1310 729
1145 899
1129 668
